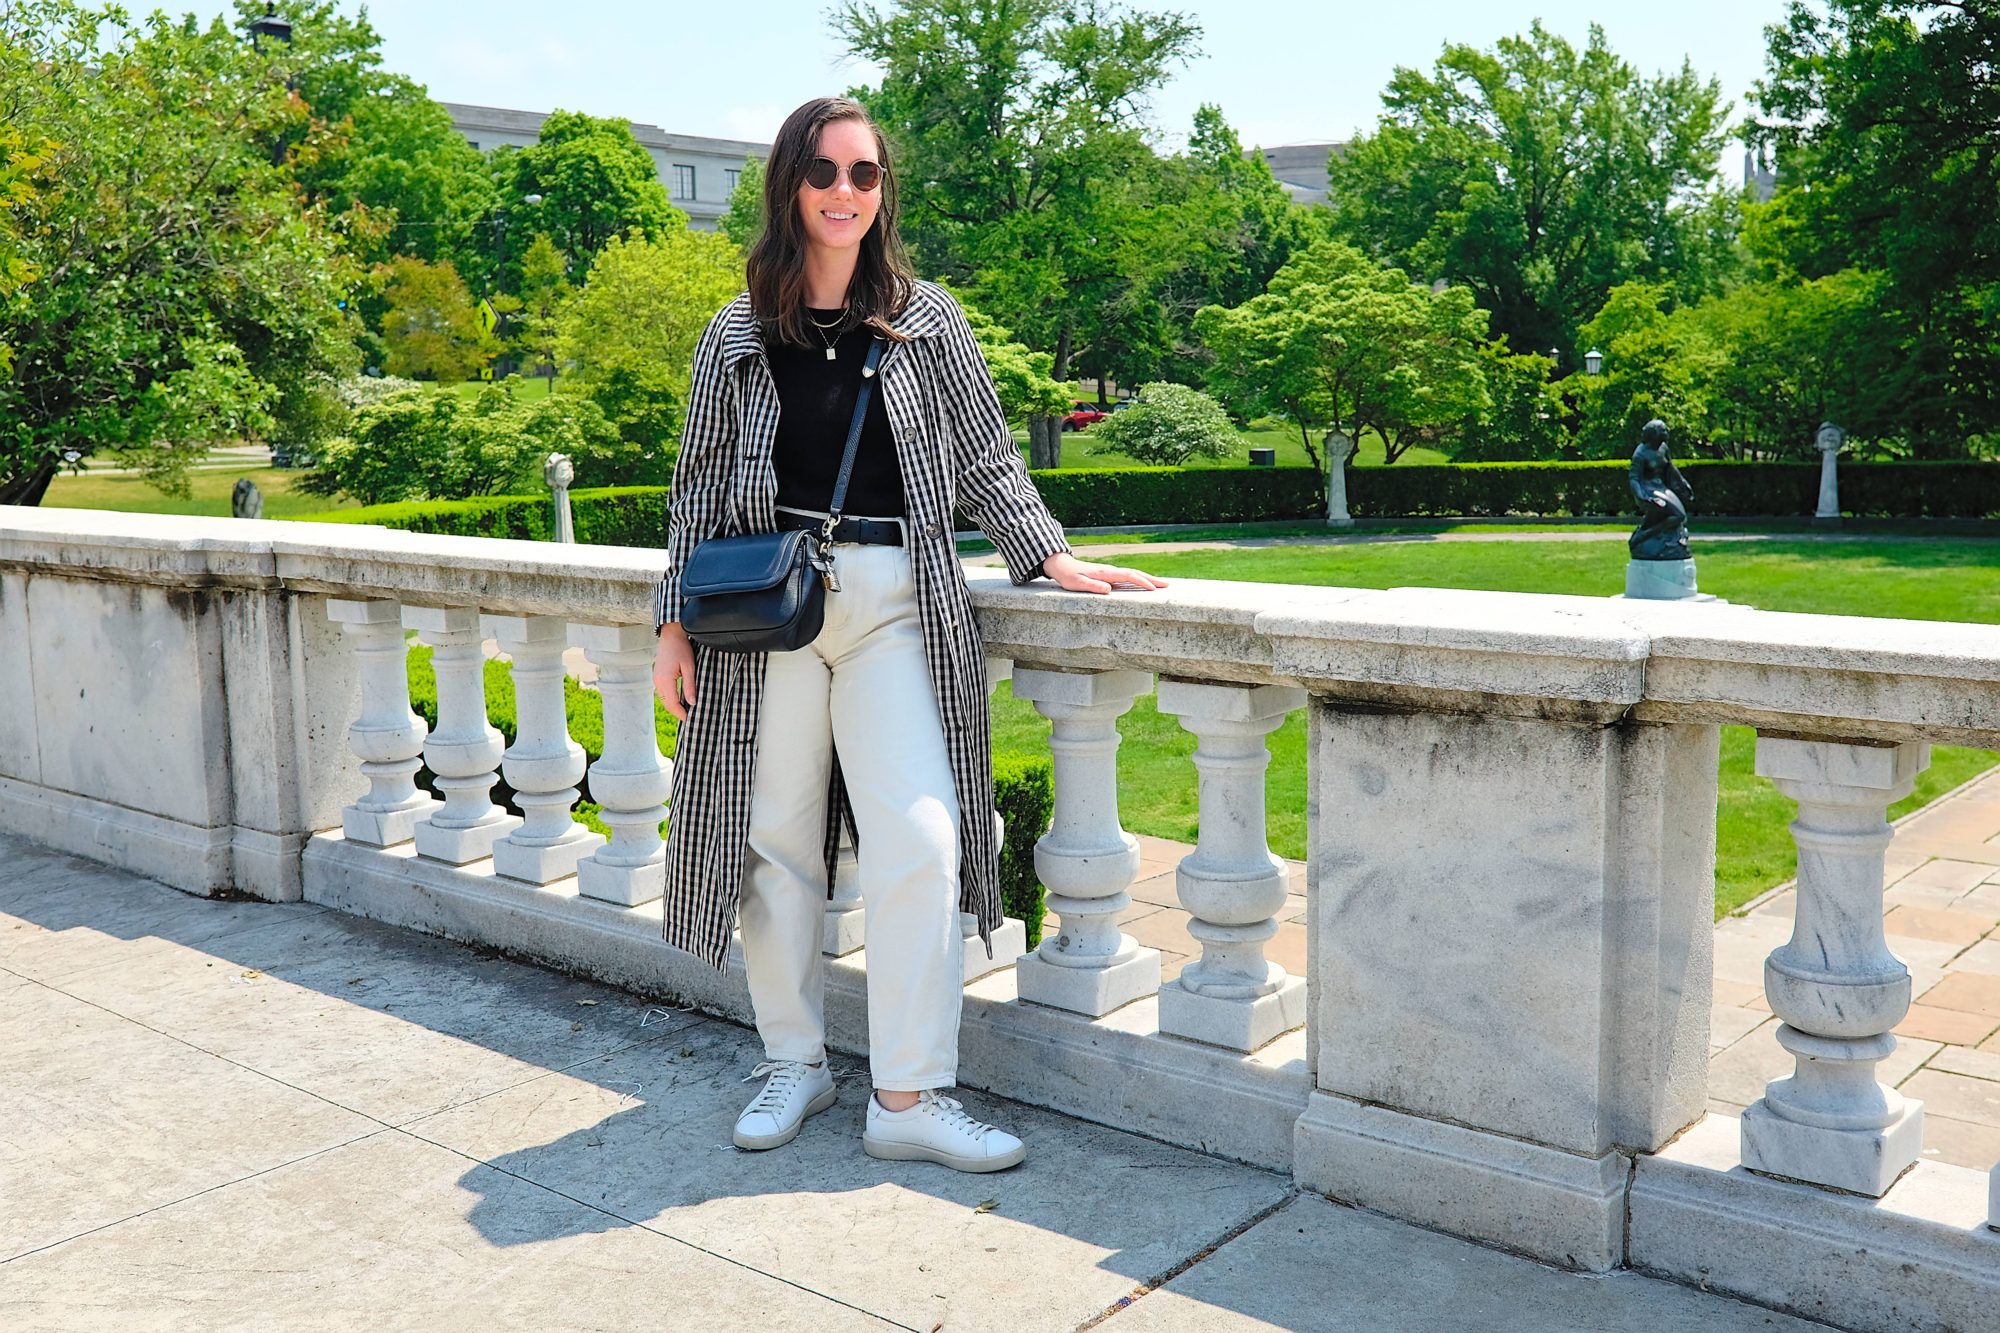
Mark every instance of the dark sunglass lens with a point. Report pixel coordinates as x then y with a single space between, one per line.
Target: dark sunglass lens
865 175
822 173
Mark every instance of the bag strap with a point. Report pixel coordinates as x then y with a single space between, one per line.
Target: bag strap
853 438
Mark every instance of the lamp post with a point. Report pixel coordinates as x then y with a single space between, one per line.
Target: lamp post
1593 362
270 25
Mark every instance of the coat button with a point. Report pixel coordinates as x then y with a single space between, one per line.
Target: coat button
931 529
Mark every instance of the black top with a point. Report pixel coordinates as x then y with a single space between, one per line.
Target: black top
816 405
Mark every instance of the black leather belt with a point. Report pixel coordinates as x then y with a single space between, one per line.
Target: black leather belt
867 531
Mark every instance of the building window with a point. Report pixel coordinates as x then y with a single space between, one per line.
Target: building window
683 181
730 175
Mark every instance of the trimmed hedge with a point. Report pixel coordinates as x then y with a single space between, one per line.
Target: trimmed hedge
1023 785
606 516
1105 497
1721 489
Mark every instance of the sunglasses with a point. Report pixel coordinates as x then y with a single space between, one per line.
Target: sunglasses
864 175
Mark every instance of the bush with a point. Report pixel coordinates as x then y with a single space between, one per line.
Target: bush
1170 424
612 516
1721 489
1099 497
1024 793
417 444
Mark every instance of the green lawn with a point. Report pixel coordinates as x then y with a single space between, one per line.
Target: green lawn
527 388
1940 579
209 494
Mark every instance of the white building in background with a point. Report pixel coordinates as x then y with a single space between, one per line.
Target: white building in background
699 172
1301 168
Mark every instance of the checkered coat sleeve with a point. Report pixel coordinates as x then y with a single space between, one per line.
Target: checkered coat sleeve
957 456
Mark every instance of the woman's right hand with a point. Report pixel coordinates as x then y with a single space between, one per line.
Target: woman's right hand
673 670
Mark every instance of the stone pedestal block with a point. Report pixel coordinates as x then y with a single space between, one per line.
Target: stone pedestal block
1512 934
1010 941
844 927
1834 983
1231 884
1085 859
630 780
464 750
543 765
387 737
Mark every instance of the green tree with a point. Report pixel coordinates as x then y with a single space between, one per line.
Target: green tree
1017 128
1885 120
376 148
629 334
1526 417
545 289
743 223
1541 177
1170 424
180 290
1021 377
431 327
1340 342
1654 366
595 183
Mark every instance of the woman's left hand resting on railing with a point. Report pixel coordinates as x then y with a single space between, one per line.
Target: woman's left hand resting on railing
1074 575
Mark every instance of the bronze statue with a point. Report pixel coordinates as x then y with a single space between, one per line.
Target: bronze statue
1663 495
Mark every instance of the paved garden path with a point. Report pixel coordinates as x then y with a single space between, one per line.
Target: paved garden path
242 1114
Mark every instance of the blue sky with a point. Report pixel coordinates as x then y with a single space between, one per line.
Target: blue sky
1284 71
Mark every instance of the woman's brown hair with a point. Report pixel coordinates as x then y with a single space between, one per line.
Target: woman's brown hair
776 270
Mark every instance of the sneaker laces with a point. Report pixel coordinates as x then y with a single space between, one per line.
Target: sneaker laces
785 1076
952 1112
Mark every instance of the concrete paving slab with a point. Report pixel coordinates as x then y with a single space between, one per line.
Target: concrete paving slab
1955 1096
1347 1269
67 916
1960 1142
645 1134
101 1118
386 1022
391 1232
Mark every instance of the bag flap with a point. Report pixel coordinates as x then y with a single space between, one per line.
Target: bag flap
741 564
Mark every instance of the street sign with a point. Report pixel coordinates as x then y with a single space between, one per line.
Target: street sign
486 372
489 319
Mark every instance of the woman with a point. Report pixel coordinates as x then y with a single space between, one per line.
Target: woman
881 721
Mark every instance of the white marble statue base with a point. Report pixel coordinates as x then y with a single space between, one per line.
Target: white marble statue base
1662 581
1240 1025
464 844
1010 941
387 828
1096 991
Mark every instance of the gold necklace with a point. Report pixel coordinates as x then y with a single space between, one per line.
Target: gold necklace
830 346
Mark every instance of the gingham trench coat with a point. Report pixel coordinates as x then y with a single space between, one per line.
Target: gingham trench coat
956 454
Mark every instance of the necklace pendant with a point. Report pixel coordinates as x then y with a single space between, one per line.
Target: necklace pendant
829 354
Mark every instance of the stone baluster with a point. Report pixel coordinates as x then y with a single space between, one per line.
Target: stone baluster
1231 884
1085 859
543 765
1834 983
387 737
630 780
843 928
464 750
1011 939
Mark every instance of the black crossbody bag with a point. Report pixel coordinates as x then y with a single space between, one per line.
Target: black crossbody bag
766 592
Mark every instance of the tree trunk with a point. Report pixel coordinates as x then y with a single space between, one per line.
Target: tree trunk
29 489
1045 433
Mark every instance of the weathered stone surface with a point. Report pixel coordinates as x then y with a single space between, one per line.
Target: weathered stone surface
394 1231
645 1135
1545 977
1556 1206
1919 1257
1314 1264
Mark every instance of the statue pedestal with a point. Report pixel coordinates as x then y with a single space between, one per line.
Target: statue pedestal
1663 581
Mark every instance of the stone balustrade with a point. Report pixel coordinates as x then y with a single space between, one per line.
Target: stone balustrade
1502 1028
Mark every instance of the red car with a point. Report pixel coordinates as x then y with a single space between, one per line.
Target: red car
1082 415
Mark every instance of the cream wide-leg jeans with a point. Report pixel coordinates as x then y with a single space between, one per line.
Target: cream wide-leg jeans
862 685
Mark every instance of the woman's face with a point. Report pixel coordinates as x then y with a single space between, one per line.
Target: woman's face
840 215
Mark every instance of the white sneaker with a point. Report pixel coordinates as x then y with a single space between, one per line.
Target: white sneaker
793 1092
937 1129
